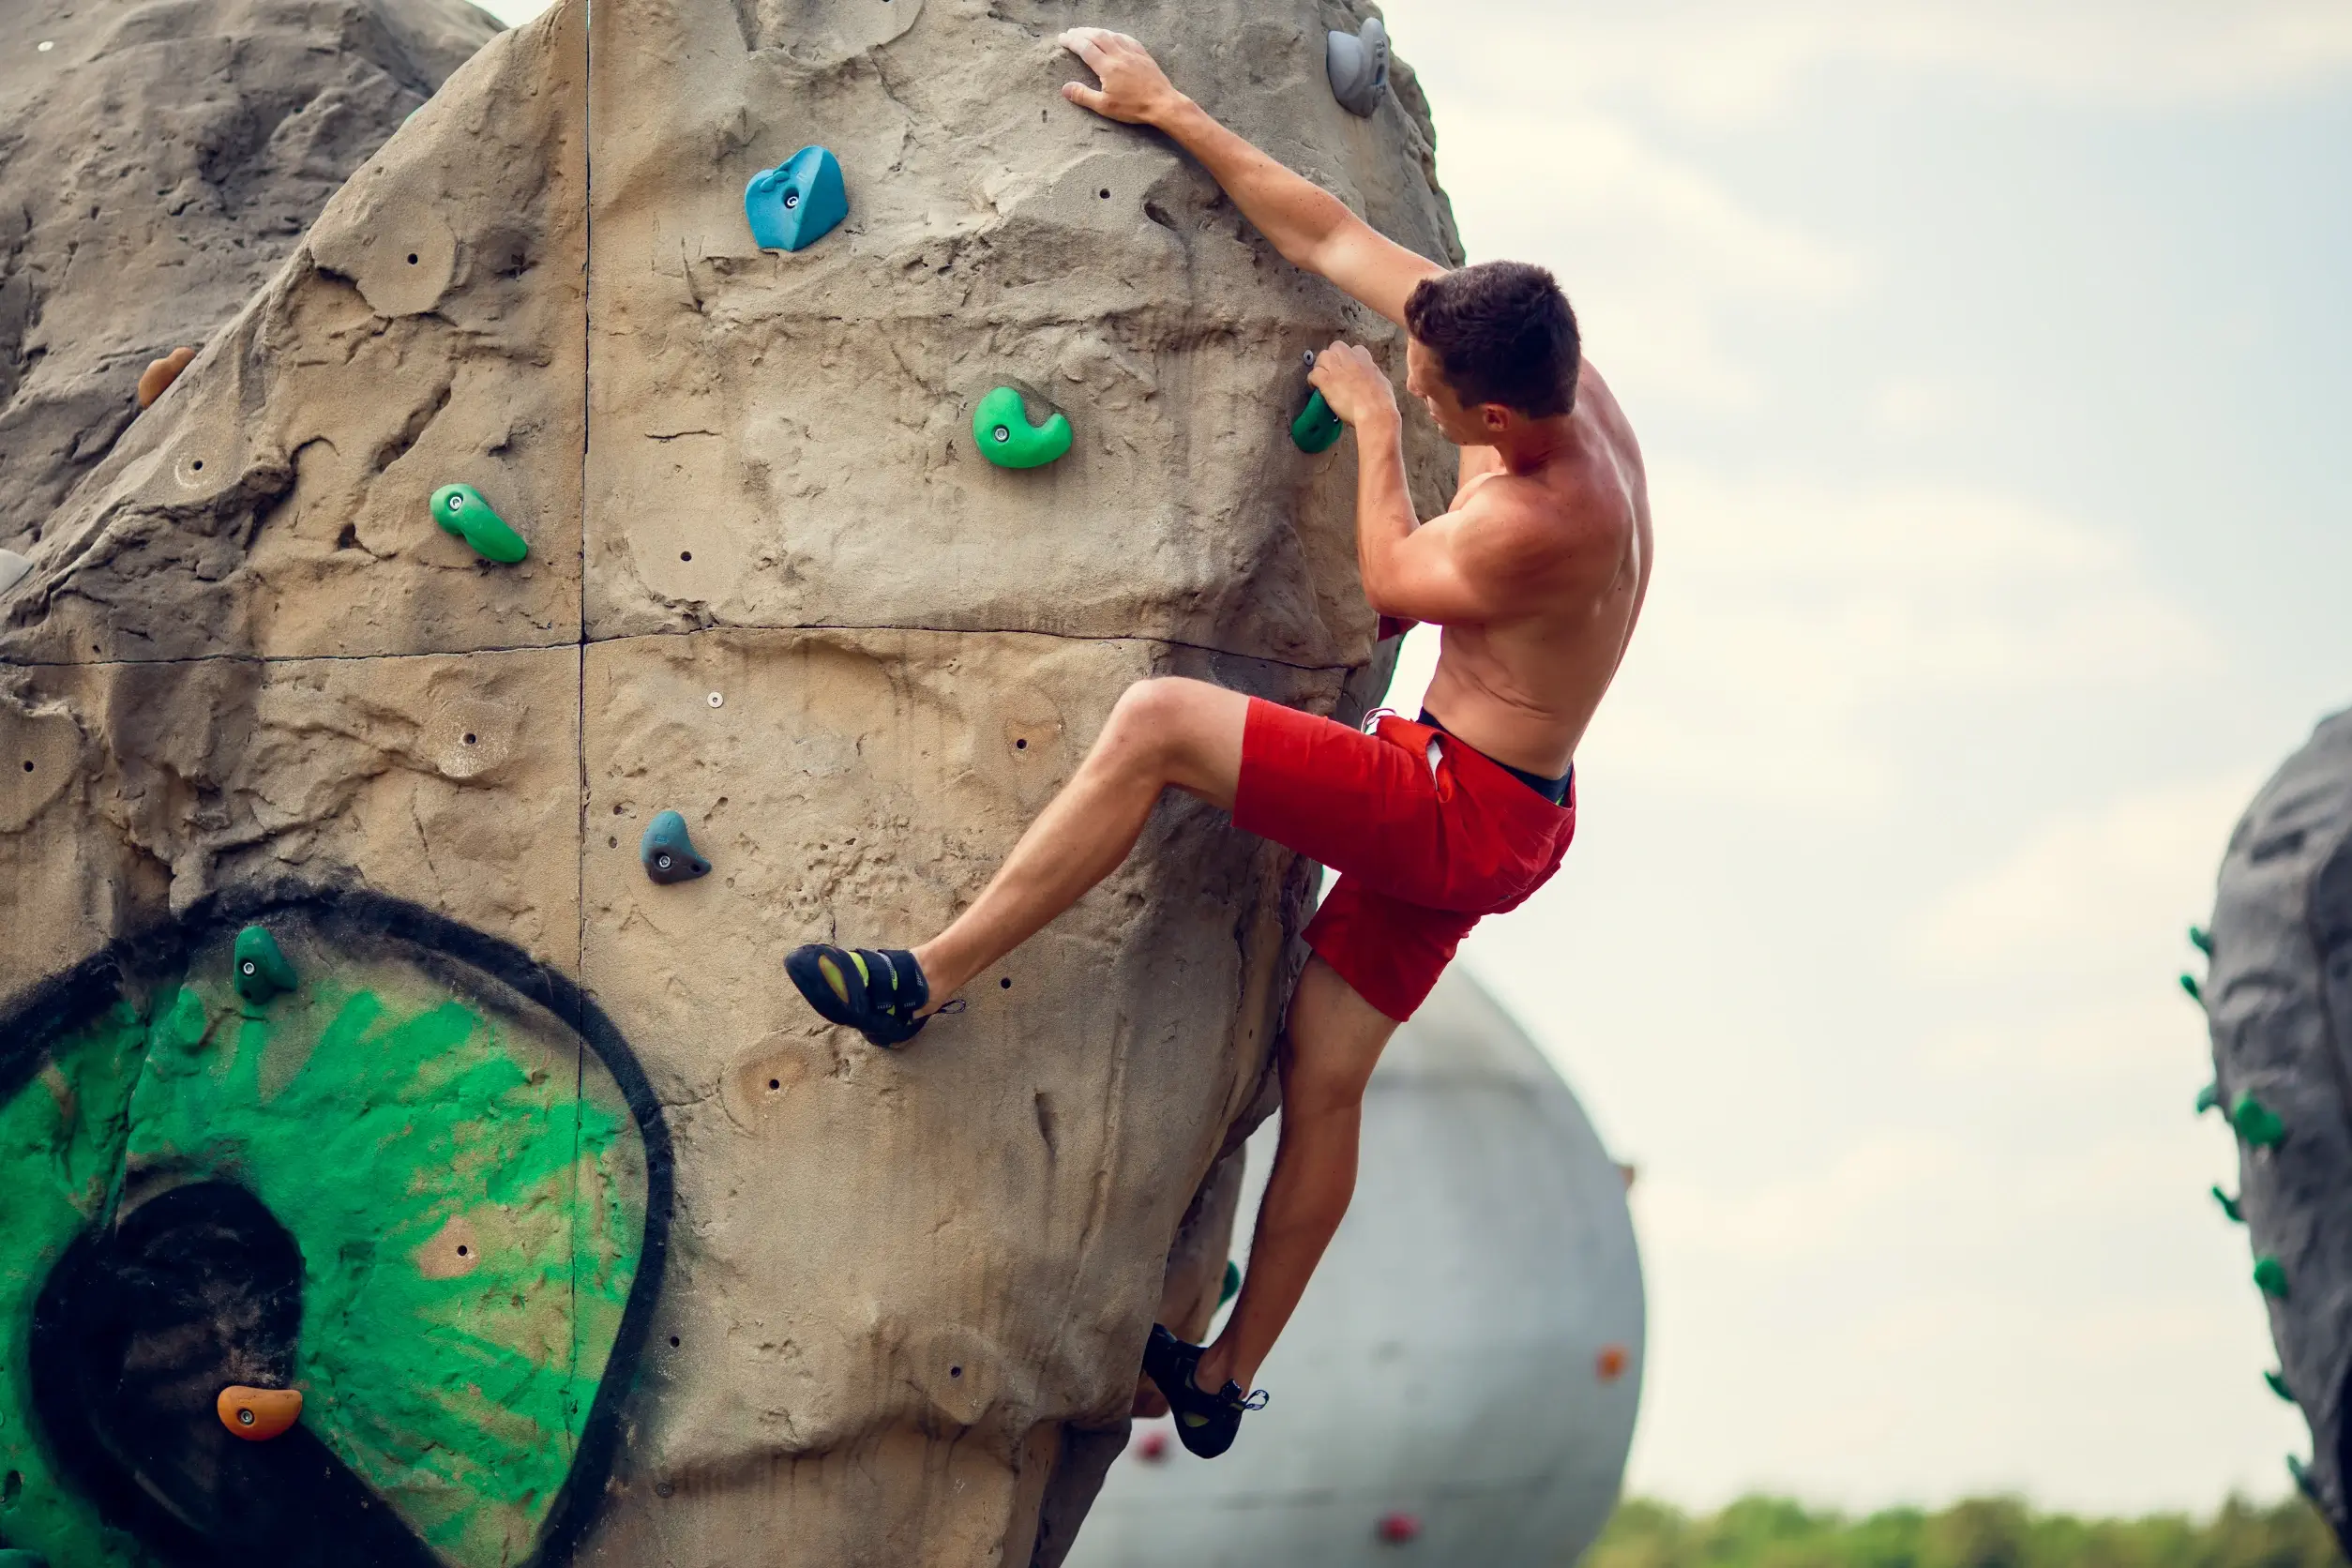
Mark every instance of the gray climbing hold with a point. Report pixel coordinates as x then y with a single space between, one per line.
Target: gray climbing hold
1358 66
668 853
12 569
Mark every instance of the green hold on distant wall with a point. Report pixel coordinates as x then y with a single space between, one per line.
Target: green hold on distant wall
262 969
2270 1278
2257 1123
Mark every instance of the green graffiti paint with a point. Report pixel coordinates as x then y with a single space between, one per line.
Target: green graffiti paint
466 1187
61 1158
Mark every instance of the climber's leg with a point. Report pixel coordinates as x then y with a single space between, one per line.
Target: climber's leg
1328 1049
1161 732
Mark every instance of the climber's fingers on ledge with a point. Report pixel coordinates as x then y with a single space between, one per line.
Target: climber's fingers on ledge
1085 97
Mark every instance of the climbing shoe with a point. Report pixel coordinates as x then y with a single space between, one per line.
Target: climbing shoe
1205 1423
875 992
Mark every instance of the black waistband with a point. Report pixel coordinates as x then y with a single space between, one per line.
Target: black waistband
1553 790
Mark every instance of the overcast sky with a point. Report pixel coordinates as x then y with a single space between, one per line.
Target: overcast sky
1992 361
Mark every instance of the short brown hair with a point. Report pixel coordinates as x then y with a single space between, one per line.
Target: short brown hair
1504 334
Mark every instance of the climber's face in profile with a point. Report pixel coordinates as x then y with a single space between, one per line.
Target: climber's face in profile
1471 425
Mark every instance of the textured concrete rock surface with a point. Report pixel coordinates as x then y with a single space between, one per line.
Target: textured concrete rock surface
158 159
879 1308
2279 998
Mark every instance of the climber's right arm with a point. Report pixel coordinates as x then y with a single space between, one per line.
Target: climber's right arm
1312 228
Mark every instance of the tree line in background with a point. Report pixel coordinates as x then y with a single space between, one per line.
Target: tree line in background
1983 1532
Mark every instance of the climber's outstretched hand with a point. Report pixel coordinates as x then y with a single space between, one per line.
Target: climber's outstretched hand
1134 88
1353 383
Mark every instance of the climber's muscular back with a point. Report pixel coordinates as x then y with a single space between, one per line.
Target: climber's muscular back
1550 592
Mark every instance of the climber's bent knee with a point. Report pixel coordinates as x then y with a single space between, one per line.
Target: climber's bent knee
1181 731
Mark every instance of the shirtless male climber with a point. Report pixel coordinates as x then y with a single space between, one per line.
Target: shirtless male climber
1537 575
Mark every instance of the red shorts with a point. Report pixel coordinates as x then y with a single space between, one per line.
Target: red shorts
1426 842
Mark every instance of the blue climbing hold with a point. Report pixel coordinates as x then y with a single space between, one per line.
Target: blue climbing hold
1357 64
669 852
793 206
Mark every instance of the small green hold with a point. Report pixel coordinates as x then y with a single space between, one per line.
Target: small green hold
1232 1286
1316 428
2256 1123
262 969
1001 431
2196 992
2301 1474
2270 1278
2209 1097
461 510
2278 1386
2202 940
2229 1205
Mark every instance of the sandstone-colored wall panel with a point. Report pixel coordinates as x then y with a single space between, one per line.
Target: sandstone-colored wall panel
964 1240
429 329
451 782
817 406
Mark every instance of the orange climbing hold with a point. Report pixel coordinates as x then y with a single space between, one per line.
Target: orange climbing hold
1609 1364
258 1414
160 373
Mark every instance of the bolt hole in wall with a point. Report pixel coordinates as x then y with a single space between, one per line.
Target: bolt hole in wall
28 765
686 556
1018 745
196 467
776 1083
412 258
469 740
673 1341
1006 983
955 1371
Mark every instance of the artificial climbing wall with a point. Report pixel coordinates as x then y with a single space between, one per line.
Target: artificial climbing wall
736 1287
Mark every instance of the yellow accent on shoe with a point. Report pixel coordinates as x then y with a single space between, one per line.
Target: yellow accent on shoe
832 971
863 972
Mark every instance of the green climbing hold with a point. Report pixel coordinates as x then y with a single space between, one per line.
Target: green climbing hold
1001 431
2229 1205
1316 428
668 851
2202 940
12 1558
2256 1123
2209 1097
262 969
2301 1474
461 510
2196 992
2278 1386
1232 1286
2270 1276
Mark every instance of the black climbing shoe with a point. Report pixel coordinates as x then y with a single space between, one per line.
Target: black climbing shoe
876 993
1205 1423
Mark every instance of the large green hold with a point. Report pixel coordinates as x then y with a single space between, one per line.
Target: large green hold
461 510
262 969
1001 431
1316 428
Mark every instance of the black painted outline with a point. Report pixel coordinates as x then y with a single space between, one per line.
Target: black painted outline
71 1000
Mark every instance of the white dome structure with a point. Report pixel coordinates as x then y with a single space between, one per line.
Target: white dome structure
1460 1382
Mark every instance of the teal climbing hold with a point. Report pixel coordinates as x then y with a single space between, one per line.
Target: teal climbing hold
668 853
461 510
2270 1278
1001 431
2301 1476
2229 1205
2207 1097
2256 1123
1316 428
2278 1386
2196 992
12 1558
1232 1286
796 203
262 969
2201 940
